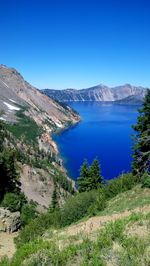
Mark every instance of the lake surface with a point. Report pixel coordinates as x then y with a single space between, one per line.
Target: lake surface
104 132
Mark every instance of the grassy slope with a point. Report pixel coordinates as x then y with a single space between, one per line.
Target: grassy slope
129 200
122 241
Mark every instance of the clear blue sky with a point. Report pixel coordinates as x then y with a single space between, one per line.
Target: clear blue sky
77 44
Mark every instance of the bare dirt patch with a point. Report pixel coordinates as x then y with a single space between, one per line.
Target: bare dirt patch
96 223
7 246
139 230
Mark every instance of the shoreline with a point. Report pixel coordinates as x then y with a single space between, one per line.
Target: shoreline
59 131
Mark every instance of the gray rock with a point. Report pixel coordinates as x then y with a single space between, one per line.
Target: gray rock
9 221
100 93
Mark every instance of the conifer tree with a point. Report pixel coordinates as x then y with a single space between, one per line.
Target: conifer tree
83 180
141 156
2 135
95 178
54 204
90 177
9 181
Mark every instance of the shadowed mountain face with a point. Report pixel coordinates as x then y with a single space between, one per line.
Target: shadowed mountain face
99 93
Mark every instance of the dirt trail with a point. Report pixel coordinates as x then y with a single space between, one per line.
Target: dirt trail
97 222
7 246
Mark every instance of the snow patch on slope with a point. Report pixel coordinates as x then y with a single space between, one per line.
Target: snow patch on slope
58 125
12 100
11 107
2 118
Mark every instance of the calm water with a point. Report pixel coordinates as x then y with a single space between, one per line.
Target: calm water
104 132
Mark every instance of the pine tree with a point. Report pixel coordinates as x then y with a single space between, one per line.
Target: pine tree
9 181
95 178
141 156
54 204
90 177
2 135
83 180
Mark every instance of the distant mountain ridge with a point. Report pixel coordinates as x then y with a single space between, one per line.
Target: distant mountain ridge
98 93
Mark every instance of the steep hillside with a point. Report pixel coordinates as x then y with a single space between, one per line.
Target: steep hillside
118 236
133 100
97 93
31 117
14 88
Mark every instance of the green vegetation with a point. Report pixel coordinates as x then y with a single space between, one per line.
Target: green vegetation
25 127
26 151
73 210
28 212
90 177
83 179
141 161
54 204
18 202
118 242
145 180
79 206
10 194
13 201
9 181
118 185
62 180
137 197
37 227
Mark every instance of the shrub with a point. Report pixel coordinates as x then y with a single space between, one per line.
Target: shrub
121 184
99 203
113 231
28 213
133 252
42 252
13 202
74 209
37 227
77 207
145 180
4 261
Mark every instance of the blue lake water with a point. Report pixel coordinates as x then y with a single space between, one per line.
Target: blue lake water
104 132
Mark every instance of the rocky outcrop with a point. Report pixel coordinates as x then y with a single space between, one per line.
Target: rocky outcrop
9 221
97 93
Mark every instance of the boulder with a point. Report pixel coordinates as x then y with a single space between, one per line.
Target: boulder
9 221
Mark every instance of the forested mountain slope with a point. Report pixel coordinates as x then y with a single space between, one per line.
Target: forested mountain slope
29 118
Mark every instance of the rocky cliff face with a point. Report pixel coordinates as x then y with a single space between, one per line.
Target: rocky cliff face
13 88
97 93
31 117
47 113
